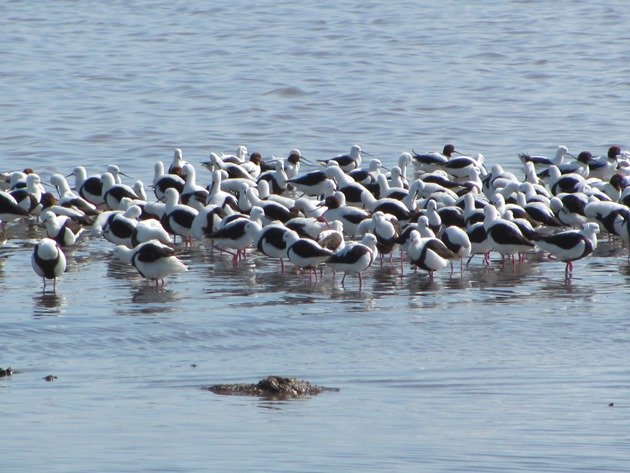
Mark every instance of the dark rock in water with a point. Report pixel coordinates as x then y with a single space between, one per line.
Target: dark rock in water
7 372
271 387
50 378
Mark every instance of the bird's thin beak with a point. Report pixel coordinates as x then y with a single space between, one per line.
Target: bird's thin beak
126 175
385 167
366 153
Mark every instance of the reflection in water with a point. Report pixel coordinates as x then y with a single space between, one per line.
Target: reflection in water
48 303
80 257
118 270
22 231
3 258
386 280
147 300
147 294
419 283
610 249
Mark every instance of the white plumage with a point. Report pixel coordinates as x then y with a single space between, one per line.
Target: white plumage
152 259
48 261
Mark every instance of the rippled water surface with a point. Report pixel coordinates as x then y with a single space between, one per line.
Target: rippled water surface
490 370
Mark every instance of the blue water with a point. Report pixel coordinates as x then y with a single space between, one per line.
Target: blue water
489 370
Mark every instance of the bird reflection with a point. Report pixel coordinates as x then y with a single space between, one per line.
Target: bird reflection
420 283
48 303
146 294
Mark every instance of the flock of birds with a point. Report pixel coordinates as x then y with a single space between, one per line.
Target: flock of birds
435 208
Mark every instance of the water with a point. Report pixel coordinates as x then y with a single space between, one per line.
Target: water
486 371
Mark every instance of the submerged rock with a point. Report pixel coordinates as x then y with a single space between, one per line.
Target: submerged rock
271 387
7 372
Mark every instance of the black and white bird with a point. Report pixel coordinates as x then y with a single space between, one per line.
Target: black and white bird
17 179
234 171
277 179
611 189
429 254
207 221
269 240
473 209
559 182
49 202
9 209
367 175
88 187
119 227
332 238
239 157
604 214
152 259
162 181
569 208
539 213
385 190
68 198
578 166
253 166
350 217
113 192
61 229
193 194
307 227
387 205
347 162
544 161
346 184
458 241
149 229
264 194
354 257
48 261
622 228
386 231
292 163
604 167
29 197
233 235
179 217
178 161
305 253
505 237
220 197
398 179
479 243
460 166
271 210
314 183
433 216
570 245
429 161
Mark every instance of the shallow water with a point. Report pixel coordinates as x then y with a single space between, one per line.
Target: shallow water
490 370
